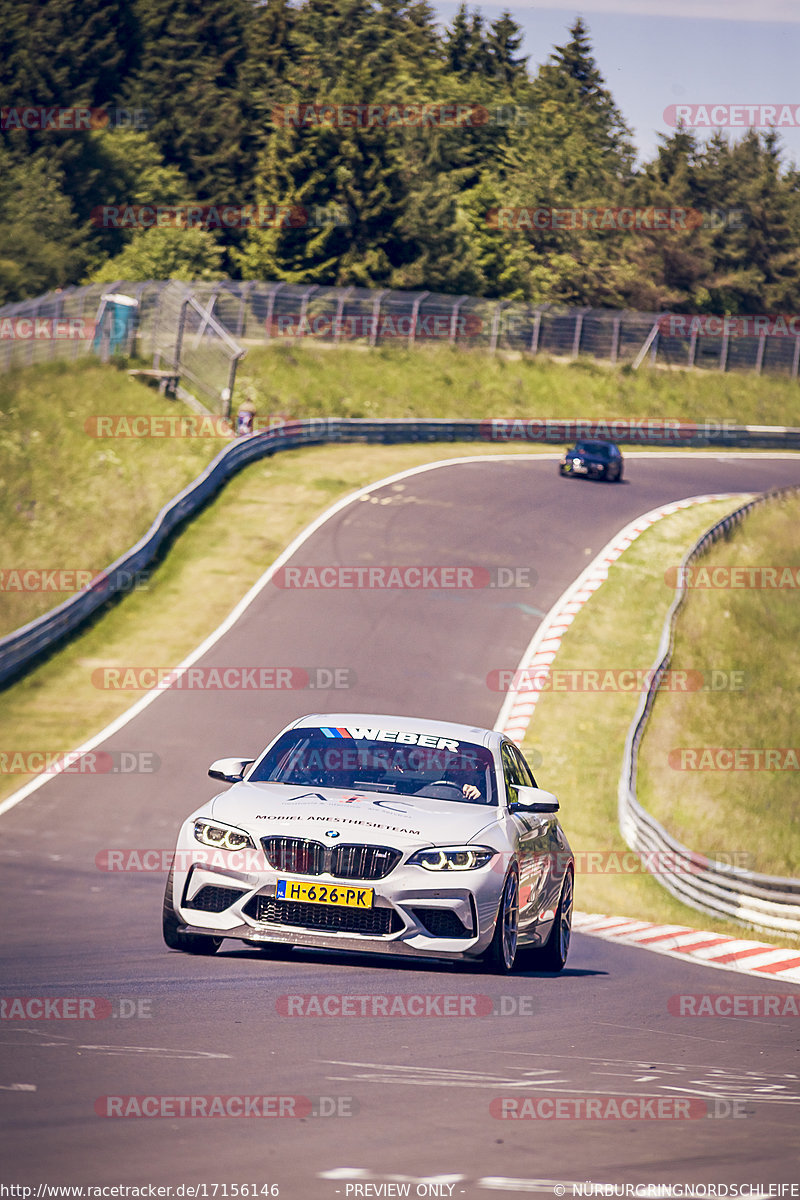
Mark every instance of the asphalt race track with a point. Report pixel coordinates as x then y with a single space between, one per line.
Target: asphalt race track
390 1097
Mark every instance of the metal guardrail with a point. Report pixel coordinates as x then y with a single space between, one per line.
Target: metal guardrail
765 902
25 646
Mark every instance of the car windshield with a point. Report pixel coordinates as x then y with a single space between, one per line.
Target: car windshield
376 760
601 449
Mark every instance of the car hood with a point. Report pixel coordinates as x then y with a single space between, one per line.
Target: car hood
376 818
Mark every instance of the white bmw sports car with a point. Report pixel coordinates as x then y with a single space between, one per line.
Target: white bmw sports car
380 834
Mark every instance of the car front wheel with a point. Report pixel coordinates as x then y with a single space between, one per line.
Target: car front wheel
501 955
189 943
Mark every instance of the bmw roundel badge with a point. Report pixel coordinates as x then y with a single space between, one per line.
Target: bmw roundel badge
331 833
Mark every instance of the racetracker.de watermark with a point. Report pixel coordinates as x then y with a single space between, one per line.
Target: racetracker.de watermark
182 425
724 578
732 116
646 862
261 1107
537 429
734 1004
45 118
648 219
604 679
362 115
383 326
411 1005
224 679
437 577
223 215
686 325
614 1108
74 1008
734 758
69 579
92 762
46 329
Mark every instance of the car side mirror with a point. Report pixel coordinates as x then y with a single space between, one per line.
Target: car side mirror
229 770
534 800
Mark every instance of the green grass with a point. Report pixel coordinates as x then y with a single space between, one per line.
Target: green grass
441 381
69 500
579 737
756 632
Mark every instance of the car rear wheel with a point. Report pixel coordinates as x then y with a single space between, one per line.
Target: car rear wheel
189 943
501 955
553 954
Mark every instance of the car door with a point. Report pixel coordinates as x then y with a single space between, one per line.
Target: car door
532 836
557 850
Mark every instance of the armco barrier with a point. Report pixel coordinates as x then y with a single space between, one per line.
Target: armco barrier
765 902
22 648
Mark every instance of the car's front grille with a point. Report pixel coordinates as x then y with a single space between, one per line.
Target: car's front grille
214 899
294 854
299 856
441 922
324 917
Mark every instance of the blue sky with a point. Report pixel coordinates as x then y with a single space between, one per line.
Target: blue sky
654 53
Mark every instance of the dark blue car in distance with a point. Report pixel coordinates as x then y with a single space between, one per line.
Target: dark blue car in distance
593 460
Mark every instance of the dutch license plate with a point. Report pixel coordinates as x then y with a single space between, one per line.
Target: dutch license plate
324 893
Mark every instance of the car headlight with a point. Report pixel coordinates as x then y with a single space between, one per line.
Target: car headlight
452 858
223 836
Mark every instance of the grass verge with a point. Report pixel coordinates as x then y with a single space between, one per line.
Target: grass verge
441 381
579 736
71 501
754 631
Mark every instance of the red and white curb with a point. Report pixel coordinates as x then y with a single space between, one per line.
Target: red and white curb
517 711
696 945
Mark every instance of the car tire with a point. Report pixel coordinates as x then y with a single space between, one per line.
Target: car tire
552 956
189 943
502 952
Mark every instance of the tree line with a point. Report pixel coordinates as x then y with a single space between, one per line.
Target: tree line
355 142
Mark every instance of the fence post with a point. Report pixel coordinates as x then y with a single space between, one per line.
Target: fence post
343 294
723 350
376 315
496 324
304 301
537 325
412 336
762 342
179 338
273 291
454 319
576 338
615 332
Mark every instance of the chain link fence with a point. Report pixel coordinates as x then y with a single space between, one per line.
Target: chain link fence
201 330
